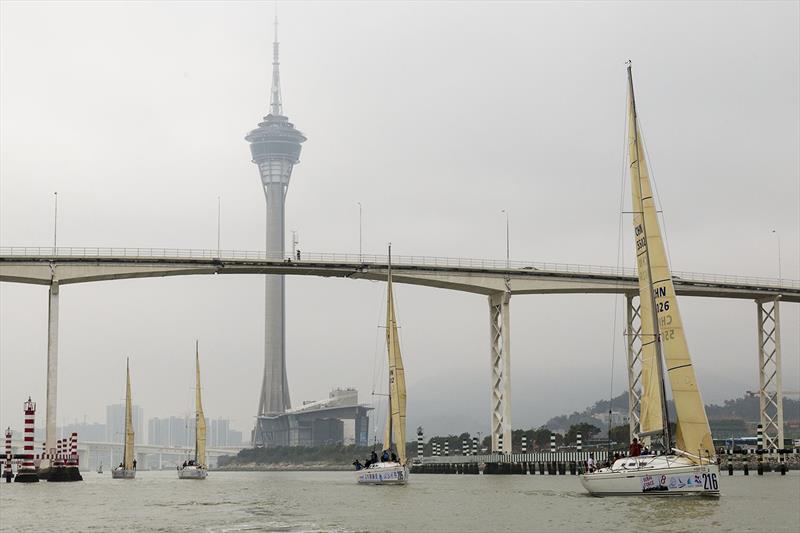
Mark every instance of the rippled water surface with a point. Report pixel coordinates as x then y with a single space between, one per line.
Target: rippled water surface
331 501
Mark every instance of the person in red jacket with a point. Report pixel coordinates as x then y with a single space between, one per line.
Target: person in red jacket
635 449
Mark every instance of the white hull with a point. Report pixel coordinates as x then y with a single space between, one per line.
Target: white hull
383 474
121 473
192 472
654 476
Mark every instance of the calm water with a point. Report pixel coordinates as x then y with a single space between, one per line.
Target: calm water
331 501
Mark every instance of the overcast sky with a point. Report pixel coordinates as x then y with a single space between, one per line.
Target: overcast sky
435 116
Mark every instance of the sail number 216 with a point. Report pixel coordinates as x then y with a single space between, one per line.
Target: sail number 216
710 482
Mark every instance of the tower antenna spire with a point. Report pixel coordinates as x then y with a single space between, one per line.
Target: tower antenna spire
275 102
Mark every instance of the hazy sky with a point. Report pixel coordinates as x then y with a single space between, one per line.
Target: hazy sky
435 116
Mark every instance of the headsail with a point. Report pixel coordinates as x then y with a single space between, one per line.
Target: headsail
200 419
693 434
128 454
396 421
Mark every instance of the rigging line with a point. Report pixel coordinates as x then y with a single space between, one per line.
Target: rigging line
658 194
620 261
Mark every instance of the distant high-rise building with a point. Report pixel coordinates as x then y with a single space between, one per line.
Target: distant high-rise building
174 431
179 432
275 147
86 432
115 423
221 435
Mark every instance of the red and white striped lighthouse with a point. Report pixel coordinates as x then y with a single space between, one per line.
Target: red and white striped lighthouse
7 467
27 471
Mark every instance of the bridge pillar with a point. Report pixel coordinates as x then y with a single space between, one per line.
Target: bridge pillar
633 335
770 386
52 368
500 354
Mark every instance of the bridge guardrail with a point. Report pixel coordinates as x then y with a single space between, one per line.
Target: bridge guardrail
373 259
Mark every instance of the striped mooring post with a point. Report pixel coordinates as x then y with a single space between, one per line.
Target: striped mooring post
73 450
26 473
435 448
760 435
553 442
579 444
500 443
7 466
59 453
474 445
420 443
464 447
524 444
447 448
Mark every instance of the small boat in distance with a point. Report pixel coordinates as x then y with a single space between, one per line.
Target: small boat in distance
689 467
196 468
100 469
127 469
388 471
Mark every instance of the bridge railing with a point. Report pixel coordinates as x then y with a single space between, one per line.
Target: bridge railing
373 259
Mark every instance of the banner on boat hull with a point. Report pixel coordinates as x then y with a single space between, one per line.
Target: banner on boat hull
680 482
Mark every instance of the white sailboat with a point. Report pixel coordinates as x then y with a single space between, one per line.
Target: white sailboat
690 466
127 469
197 468
391 472
100 469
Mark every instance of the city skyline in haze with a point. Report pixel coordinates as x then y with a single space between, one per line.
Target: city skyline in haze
435 118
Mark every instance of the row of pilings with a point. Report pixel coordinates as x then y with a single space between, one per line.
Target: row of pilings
525 468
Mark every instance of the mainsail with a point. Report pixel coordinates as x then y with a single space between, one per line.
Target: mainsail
127 459
662 333
200 422
396 421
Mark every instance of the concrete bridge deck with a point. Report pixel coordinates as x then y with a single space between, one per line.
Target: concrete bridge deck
44 266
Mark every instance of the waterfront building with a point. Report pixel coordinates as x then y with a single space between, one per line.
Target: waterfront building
337 419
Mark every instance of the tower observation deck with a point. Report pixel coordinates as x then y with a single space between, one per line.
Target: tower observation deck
275 146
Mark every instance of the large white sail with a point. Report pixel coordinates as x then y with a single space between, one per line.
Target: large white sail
200 423
693 434
128 454
395 431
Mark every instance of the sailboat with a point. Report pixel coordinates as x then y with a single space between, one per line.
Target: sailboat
395 470
100 469
127 469
197 468
690 466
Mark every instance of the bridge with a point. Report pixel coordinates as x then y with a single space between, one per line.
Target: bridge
498 280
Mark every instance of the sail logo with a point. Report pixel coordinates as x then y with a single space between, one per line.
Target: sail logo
641 240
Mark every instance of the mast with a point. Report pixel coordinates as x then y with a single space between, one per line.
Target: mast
127 457
200 418
196 402
392 325
654 314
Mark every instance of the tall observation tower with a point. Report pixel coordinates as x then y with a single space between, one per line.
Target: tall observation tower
275 146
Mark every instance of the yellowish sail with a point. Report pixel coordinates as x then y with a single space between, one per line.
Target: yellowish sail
200 423
396 421
650 407
693 433
128 454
